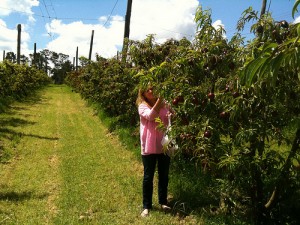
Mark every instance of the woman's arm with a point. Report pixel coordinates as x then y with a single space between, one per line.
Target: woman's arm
150 113
158 104
146 112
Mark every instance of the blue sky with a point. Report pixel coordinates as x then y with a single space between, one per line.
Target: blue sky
64 25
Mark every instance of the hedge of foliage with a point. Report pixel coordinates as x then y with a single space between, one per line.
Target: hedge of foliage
18 81
236 107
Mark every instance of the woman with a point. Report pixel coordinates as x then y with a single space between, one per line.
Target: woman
150 108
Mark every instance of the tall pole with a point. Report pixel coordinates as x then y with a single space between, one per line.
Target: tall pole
19 44
3 55
91 45
127 19
127 27
46 64
77 58
34 54
263 8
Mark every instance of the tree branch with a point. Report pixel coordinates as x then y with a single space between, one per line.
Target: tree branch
284 171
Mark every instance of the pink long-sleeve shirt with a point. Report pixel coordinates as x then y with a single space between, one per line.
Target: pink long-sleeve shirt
150 135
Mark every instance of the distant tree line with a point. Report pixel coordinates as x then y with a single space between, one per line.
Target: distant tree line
56 65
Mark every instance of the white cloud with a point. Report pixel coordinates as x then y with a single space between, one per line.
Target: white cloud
8 39
18 6
218 25
67 37
8 36
164 18
297 20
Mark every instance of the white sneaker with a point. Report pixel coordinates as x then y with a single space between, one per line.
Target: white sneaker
145 213
165 208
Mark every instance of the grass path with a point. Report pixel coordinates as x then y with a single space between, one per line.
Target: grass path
66 168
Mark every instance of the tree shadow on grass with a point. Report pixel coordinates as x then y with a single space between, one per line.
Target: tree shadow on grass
11 121
192 189
8 133
6 104
14 122
13 196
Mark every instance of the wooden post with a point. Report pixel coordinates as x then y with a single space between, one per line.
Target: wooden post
127 19
34 54
127 29
46 67
91 45
3 55
263 8
73 63
19 44
77 58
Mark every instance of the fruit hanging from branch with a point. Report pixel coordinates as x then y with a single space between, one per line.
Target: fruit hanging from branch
224 115
177 100
211 96
235 94
207 134
284 24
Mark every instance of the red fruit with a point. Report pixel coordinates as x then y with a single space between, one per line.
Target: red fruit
207 134
175 101
211 96
284 24
235 94
227 88
224 115
195 101
178 99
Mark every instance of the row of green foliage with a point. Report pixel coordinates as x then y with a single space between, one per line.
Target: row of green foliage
18 81
236 107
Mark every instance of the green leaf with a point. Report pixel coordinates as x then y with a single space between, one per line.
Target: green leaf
291 41
275 66
270 48
297 2
265 67
252 70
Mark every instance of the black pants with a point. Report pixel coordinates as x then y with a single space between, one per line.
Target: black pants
163 163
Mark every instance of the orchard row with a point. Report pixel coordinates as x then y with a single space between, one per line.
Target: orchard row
18 81
236 106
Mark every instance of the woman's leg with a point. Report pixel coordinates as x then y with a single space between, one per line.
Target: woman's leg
163 178
149 162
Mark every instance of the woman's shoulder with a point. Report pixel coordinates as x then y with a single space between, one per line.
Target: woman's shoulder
143 105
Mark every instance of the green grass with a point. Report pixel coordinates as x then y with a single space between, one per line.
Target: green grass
65 167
